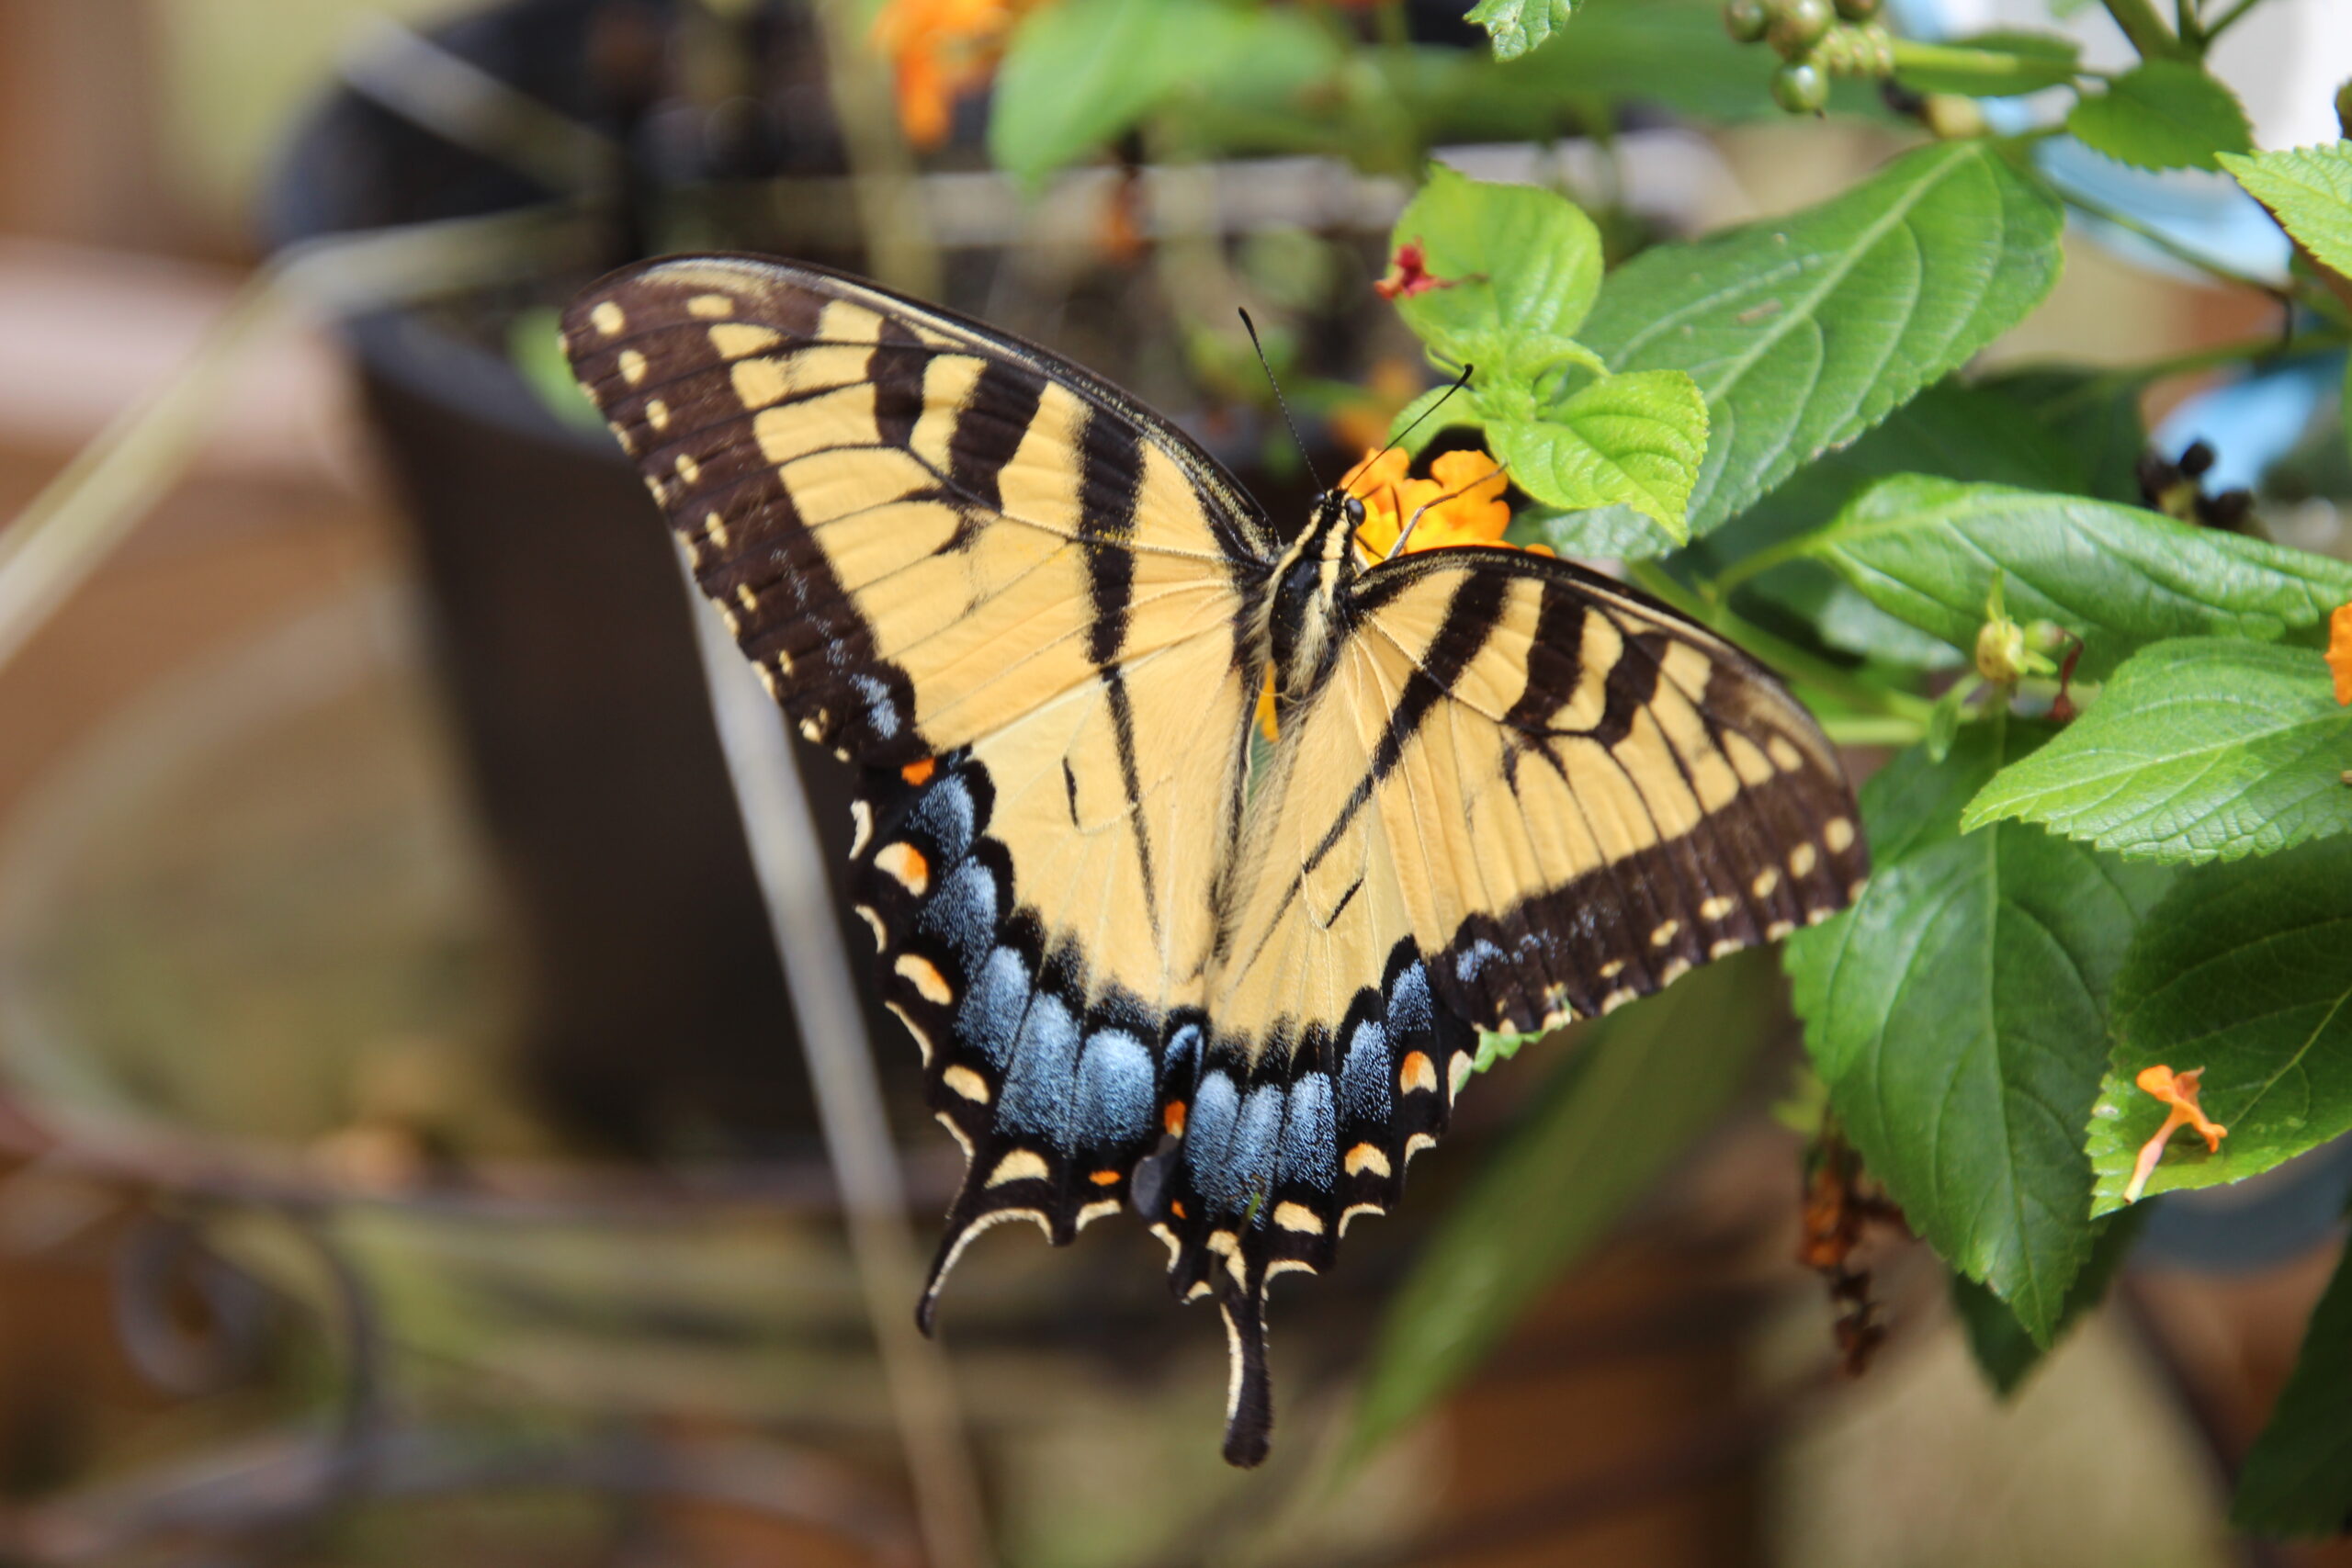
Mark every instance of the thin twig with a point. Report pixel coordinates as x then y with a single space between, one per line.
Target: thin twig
63 534
790 864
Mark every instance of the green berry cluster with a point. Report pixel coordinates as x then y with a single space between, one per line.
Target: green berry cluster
1805 34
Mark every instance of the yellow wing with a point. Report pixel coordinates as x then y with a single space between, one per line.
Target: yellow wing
1013 597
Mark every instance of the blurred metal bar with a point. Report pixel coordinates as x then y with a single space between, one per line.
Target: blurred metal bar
789 862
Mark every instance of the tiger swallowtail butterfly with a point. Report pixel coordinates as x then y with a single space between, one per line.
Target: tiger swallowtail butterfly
1146 969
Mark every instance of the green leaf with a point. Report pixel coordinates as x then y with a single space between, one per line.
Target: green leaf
2163 114
1513 262
1641 1085
1958 1012
1079 72
2118 577
2244 970
1634 440
2035 61
2005 1353
2309 192
1518 26
1805 332
1603 533
2297 1480
1959 432
2095 418
2200 749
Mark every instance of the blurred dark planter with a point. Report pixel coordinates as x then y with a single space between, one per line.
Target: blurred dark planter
658 1016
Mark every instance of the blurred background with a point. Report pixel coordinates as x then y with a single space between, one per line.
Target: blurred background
407 1152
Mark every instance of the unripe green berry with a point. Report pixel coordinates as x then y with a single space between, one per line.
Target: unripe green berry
1797 26
1747 19
1858 10
2343 108
1799 87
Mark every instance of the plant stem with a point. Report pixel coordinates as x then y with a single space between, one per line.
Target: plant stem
1993 67
2146 30
790 866
1785 656
2228 19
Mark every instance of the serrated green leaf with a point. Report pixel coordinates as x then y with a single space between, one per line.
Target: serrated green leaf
2309 190
2005 1353
2297 1480
1079 72
1958 1012
2118 577
1512 261
1634 440
1641 1085
1518 26
1803 332
2163 114
2199 748
2244 970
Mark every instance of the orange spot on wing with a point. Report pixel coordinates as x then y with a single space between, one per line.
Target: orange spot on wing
1104 1178
1177 1208
1173 1118
920 773
1415 1073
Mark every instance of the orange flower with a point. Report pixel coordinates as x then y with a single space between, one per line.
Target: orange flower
2179 1092
2340 651
939 51
1463 497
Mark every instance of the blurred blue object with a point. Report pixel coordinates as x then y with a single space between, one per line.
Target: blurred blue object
2253 422
2266 1219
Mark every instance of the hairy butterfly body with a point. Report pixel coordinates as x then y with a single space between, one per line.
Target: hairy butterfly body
1038 617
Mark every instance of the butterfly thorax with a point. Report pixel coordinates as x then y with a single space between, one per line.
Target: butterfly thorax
1304 614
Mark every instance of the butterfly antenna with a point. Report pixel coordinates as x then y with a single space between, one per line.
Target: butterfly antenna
1459 382
1251 328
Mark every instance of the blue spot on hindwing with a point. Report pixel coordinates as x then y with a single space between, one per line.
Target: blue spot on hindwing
945 813
1207 1131
962 913
1363 1076
990 1015
1310 1135
1115 1091
1039 1085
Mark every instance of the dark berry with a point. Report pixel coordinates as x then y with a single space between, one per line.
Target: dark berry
1858 10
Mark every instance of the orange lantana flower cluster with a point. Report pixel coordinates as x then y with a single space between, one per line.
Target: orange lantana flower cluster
939 51
1464 494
